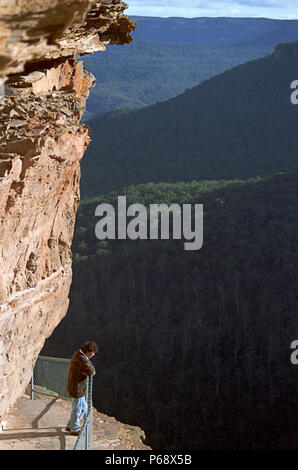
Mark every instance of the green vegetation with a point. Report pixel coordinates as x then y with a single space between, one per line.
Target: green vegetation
194 347
236 125
169 55
145 72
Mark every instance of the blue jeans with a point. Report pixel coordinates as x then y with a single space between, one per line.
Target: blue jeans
78 409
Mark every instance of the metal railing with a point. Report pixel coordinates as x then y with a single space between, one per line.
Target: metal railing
49 377
84 441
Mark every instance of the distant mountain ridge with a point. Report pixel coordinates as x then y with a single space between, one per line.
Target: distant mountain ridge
145 72
238 124
217 31
169 55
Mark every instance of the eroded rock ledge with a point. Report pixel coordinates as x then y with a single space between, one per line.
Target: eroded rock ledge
43 91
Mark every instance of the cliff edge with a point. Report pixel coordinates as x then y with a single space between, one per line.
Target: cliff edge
43 90
40 425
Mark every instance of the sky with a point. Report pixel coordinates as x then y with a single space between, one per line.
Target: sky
279 9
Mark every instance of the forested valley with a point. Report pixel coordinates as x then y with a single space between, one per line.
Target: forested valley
238 124
194 346
169 55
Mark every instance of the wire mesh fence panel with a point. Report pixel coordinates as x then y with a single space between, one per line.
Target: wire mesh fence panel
50 376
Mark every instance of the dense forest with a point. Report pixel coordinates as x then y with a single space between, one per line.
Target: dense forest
238 124
194 346
146 72
169 55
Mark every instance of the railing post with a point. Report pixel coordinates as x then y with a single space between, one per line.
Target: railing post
85 436
32 385
90 418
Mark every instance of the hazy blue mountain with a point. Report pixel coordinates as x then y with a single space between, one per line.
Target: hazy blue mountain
142 73
238 124
170 55
217 31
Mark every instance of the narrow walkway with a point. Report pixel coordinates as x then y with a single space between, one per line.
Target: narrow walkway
37 424
40 425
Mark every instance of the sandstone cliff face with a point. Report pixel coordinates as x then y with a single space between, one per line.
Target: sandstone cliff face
43 90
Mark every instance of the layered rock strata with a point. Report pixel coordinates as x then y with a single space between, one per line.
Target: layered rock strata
43 91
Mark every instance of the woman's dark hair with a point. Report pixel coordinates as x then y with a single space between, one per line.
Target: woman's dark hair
89 346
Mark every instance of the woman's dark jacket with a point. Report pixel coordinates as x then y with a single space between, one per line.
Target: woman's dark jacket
80 367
